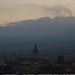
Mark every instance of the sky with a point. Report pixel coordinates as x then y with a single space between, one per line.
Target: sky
16 10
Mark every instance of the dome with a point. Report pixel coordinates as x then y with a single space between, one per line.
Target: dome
35 50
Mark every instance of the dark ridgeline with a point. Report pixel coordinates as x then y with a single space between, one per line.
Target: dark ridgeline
47 30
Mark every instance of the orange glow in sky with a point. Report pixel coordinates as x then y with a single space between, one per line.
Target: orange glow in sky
15 10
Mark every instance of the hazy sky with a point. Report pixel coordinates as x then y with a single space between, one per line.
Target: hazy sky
15 10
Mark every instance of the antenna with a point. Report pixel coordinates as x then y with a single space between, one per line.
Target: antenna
61 55
61 49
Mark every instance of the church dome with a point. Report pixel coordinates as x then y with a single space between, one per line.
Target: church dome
35 50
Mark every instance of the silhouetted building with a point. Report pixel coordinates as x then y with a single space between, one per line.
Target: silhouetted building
60 59
35 51
14 59
5 59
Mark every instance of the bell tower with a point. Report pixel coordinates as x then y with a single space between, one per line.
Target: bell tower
61 56
35 51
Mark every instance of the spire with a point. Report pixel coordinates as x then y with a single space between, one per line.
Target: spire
61 54
14 57
5 59
35 46
61 59
61 49
35 51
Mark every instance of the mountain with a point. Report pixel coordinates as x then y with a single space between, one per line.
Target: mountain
44 28
48 33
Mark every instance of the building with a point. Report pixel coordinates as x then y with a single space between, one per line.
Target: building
35 51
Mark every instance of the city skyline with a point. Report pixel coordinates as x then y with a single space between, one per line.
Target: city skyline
47 22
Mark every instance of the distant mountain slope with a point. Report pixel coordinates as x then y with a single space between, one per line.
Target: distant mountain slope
47 32
44 27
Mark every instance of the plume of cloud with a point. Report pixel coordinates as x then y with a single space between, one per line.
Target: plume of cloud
59 11
20 12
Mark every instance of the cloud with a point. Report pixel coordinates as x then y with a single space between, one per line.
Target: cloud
59 11
11 11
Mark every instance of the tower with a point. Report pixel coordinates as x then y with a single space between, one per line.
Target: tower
61 59
5 59
61 56
14 57
35 51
